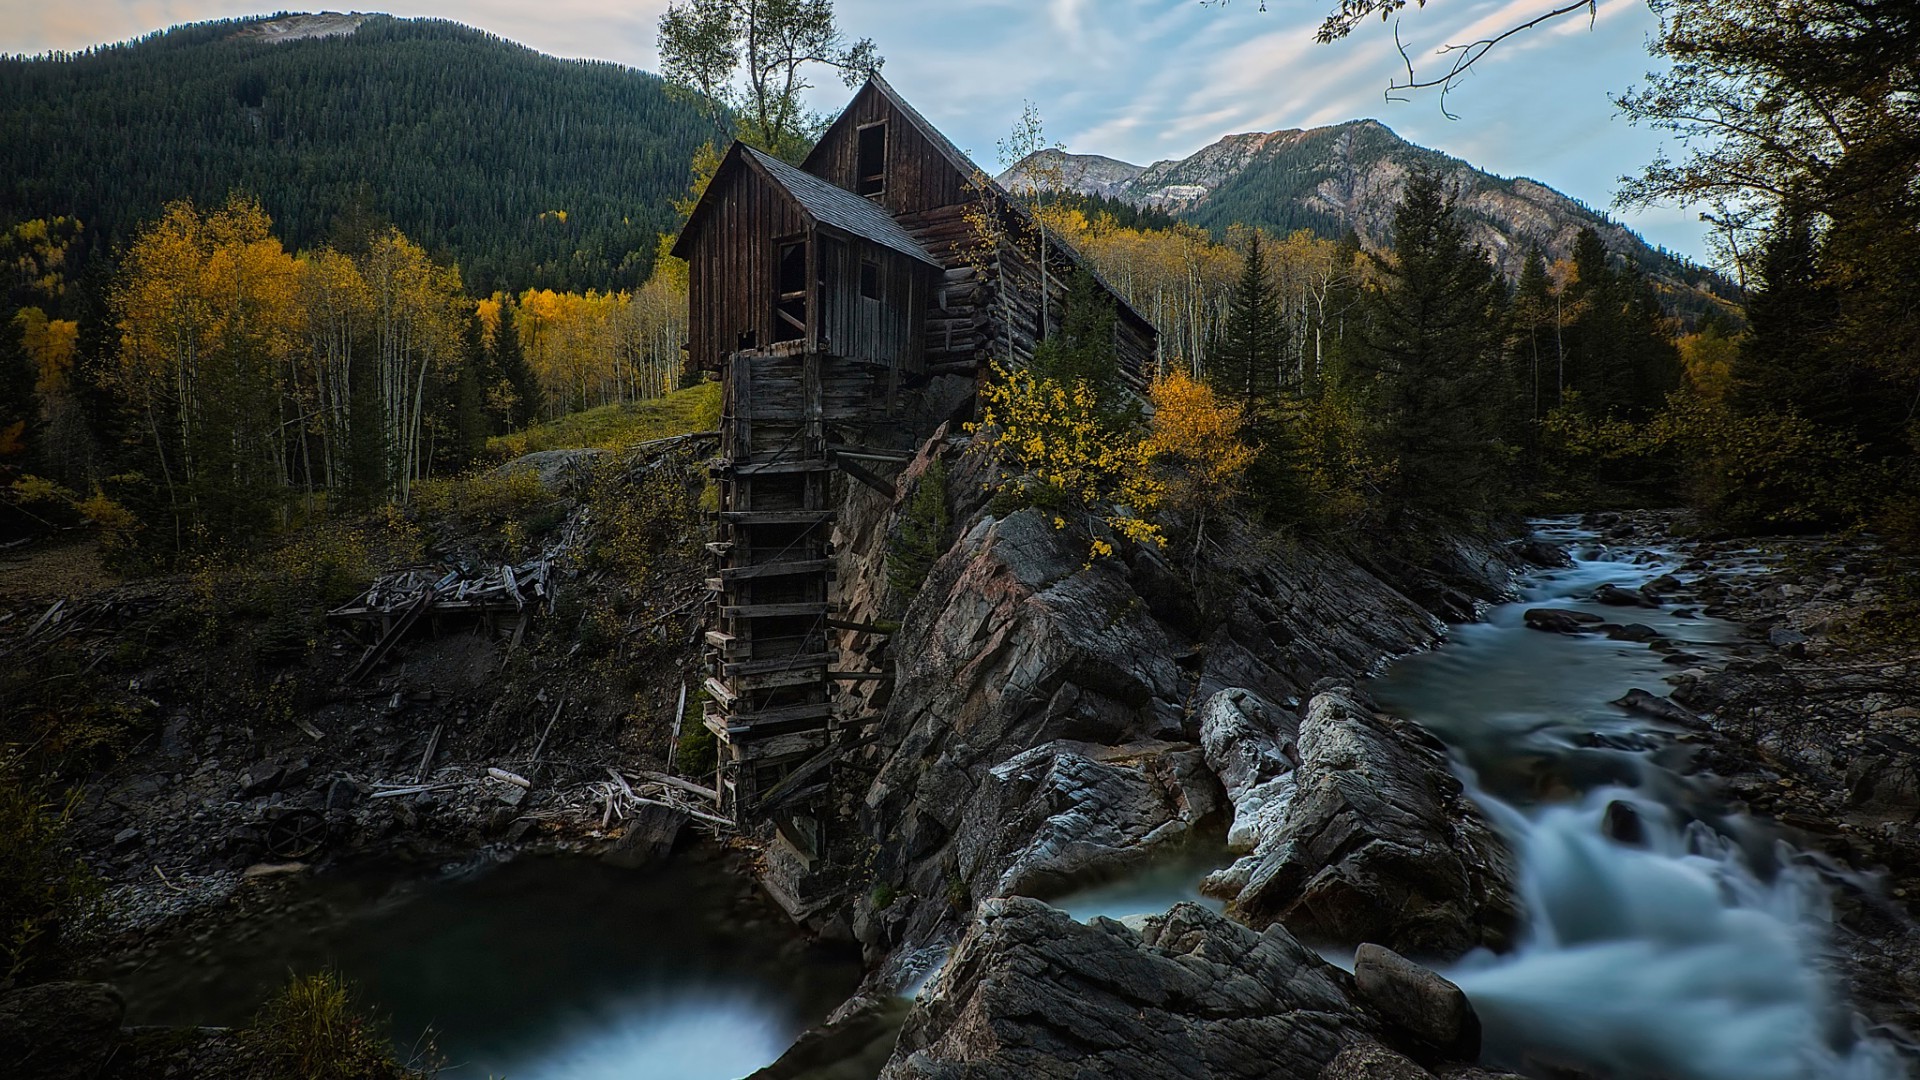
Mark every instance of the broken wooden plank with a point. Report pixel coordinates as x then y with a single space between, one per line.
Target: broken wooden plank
687 786
515 779
378 651
433 747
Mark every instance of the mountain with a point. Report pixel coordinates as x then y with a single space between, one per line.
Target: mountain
526 169
1343 178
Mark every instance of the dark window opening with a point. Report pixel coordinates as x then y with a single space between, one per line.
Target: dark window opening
870 280
870 170
790 293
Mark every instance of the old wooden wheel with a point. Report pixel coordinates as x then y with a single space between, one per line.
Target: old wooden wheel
296 834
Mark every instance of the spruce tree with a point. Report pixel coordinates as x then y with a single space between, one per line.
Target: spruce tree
509 362
1244 365
1423 373
1082 349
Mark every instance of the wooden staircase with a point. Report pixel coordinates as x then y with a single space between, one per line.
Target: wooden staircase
769 646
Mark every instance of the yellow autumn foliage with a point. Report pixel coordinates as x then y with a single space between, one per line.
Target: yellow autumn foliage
1056 437
1195 440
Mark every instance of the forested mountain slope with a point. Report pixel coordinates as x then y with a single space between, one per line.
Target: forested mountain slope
526 169
1344 178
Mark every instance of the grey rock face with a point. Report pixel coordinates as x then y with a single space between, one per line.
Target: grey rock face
1031 994
1020 647
1379 843
61 1030
1069 812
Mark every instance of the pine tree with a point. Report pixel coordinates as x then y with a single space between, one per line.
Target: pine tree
1244 364
1082 349
509 362
1533 314
1423 373
470 426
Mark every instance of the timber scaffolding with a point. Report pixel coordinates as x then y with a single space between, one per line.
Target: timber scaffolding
771 643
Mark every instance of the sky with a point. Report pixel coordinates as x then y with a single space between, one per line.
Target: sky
1139 80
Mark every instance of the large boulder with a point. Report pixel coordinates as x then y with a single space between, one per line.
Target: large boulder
1379 843
1249 743
59 1030
1418 1001
1031 995
1067 813
651 835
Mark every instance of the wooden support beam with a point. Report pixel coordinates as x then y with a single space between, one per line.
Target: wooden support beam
774 680
857 627
818 661
873 481
739 724
859 676
868 453
770 468
776 517
719 691
775 569
766 611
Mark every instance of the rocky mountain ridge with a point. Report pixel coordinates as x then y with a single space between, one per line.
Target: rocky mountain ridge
1343 178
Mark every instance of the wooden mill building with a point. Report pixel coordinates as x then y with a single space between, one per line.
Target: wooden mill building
826 297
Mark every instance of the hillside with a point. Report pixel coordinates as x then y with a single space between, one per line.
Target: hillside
1343 178
526 169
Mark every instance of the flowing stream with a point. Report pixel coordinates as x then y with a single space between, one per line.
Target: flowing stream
539 969
1699 953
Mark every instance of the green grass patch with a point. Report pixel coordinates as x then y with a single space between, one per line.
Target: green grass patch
616 427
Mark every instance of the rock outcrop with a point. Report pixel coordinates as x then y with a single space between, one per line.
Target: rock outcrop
58 1030
1032 994
1040 726
1378 842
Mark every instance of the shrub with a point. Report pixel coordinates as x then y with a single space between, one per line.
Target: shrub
698 752
43 886
925 530
1059 436
314 1030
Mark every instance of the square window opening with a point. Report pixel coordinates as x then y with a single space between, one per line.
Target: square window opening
870 280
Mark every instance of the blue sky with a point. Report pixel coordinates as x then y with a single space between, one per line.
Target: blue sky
1139 80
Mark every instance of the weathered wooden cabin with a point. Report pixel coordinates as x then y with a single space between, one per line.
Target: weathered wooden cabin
823 296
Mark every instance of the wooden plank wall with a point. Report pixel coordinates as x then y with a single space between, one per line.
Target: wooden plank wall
730 286
919 177
889 332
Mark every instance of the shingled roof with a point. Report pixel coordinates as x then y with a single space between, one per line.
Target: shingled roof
827 204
